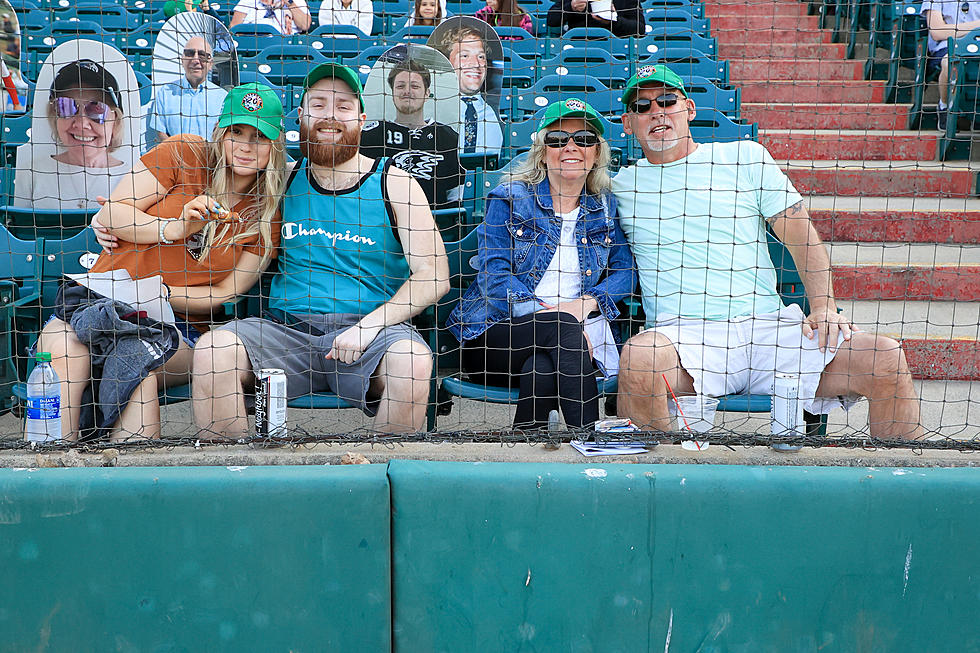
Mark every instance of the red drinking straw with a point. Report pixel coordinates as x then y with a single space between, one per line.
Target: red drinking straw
677 404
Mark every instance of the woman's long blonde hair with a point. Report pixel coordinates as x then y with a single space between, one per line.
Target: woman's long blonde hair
534 170
265 194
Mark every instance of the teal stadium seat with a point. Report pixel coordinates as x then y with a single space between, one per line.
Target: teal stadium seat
688 63
677 19
964 95
413 34
111 17
908 28
16 129
660 38
20 268
707 95
138 43
284 64
713 126
694 7
588 60
519 71
523 103
40 43
618 47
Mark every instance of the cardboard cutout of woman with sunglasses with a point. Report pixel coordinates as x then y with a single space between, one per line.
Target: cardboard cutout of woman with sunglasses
552 263
84 129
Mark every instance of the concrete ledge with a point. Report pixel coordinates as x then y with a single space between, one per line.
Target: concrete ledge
331 454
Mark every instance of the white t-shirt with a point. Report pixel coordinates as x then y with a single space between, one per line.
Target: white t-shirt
953 14
45 183
360 14
562 282
696 228
256 13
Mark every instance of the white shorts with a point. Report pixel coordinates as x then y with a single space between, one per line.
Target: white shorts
742 355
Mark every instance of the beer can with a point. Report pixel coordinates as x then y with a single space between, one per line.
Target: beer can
787 409
270 403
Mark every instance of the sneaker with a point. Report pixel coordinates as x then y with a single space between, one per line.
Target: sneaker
942 119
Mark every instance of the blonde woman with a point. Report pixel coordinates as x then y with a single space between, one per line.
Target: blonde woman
201 215
552 264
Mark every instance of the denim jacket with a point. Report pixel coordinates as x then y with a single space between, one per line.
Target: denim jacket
517 241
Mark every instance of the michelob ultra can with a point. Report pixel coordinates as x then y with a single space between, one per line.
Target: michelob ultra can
270 403
787 409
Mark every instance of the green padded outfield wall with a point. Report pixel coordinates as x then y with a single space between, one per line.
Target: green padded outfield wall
684 558
195 559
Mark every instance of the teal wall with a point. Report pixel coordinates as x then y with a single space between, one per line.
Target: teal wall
464 557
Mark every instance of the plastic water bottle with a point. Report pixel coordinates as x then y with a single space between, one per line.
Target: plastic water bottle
43 402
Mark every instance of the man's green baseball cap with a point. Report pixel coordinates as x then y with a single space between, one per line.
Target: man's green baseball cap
572 108
336 71
650 74
253 104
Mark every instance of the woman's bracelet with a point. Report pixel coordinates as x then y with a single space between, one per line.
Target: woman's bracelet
163 227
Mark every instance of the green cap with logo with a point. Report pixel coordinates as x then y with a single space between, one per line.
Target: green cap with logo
337 71
650 74
572 108
253 104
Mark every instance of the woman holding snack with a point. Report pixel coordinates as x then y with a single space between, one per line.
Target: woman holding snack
201 218
552 262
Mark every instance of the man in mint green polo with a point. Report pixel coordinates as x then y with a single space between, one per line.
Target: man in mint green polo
695 215
359 256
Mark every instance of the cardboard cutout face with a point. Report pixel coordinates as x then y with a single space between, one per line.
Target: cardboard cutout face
16 87
411 100
84 129
192 51
474 51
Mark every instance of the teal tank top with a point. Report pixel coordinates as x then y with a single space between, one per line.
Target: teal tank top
340 251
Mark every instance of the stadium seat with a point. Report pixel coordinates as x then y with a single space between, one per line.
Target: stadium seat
16 129
660 38
518 71
676 19
964 95
712 126
588 60
138 44
413 34
694 7
284 64
688 63
23 7
907 29
523 103
708 96
40 43
620 48
111 17
337 42
20 268
520 41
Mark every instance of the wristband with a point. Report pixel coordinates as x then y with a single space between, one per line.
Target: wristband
163 227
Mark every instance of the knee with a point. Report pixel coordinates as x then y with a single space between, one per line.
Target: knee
878 358
408 361
218 351
59 339
645 353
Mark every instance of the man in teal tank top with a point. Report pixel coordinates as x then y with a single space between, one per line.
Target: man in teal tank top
360 256
695 216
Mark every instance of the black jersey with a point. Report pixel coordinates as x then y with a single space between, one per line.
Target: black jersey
429 153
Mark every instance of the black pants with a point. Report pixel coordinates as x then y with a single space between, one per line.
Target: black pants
547 355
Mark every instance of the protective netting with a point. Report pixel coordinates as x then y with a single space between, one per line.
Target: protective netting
616 206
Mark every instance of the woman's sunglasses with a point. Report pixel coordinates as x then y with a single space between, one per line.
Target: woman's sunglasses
643 105
559 138
67 107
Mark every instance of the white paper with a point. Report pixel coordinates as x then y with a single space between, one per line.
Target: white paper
612 448
142 294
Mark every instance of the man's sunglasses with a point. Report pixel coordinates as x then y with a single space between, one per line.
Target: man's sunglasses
559 138
98 112
203 55
643 105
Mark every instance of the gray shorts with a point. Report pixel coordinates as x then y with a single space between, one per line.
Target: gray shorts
301 352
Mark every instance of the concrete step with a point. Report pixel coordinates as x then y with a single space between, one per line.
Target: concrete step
916 320
767 23
739 50
907 282
935 359
903 254
896 219
883 178
714 10
837 92
826 116
853 145
741 35
795 69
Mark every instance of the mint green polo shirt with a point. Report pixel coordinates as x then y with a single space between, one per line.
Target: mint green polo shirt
696 227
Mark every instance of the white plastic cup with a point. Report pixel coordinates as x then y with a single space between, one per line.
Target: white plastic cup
699 417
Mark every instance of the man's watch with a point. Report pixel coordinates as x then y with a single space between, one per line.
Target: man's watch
163 227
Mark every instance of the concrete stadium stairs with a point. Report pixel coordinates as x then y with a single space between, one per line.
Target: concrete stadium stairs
903 229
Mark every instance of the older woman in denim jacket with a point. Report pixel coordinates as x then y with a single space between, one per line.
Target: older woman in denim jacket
552 263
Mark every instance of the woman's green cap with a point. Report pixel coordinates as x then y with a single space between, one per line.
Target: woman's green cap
253 104
572 108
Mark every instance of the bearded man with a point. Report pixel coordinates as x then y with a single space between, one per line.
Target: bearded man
360 256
